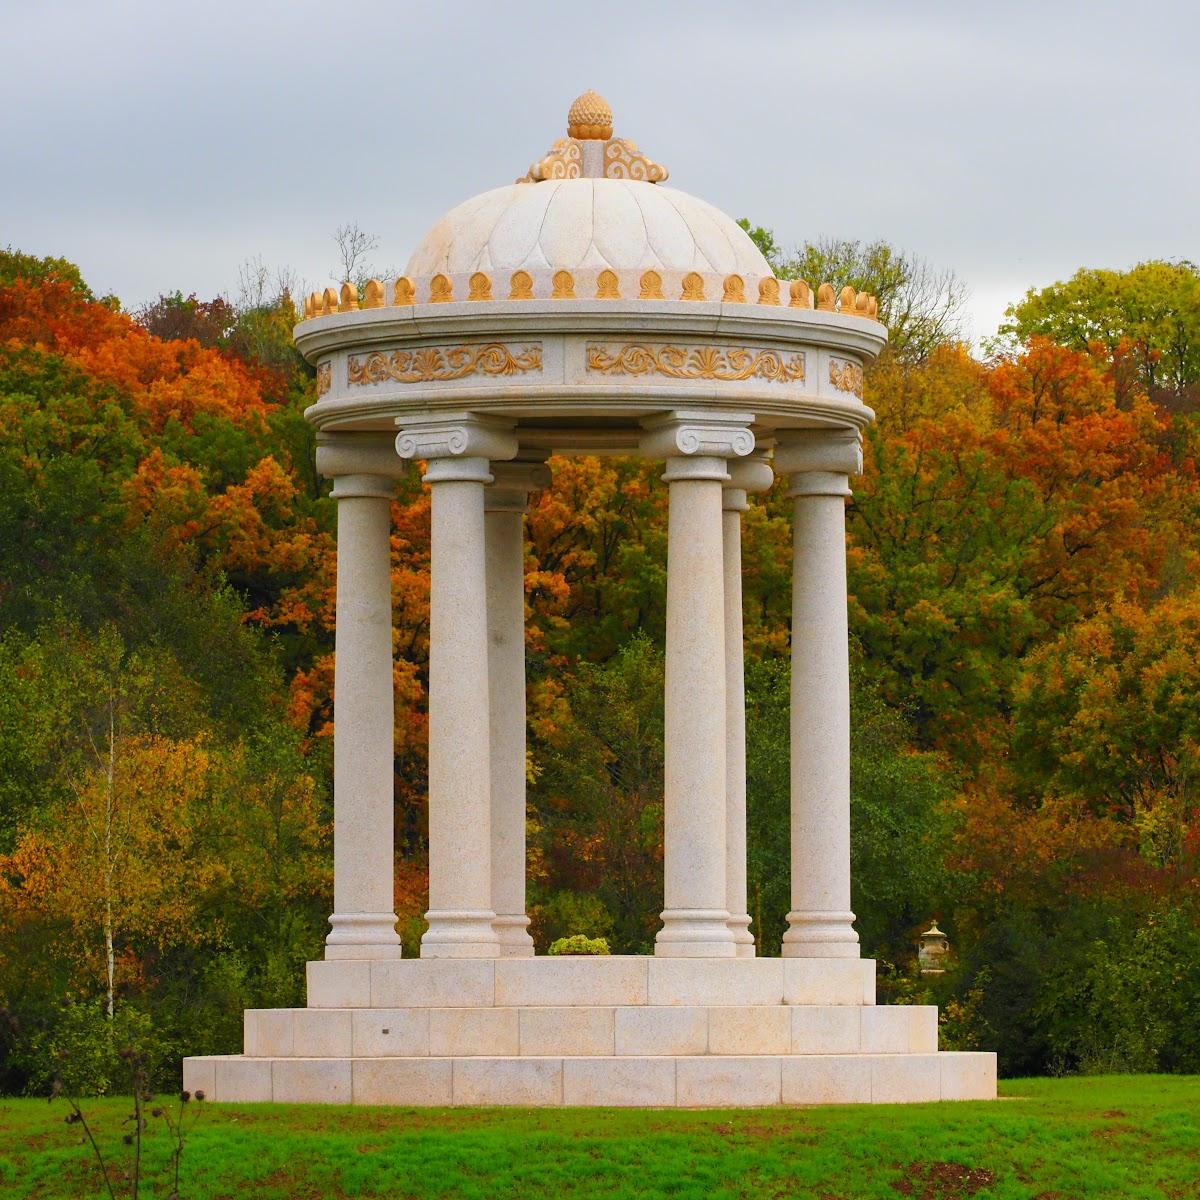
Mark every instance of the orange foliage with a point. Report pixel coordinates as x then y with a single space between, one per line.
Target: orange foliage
166 380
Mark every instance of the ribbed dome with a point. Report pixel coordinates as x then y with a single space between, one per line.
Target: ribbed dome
577 224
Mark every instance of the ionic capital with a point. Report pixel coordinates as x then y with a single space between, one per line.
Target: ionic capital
358 454
455 436
368 487
819 461
697 434
512 483
751 474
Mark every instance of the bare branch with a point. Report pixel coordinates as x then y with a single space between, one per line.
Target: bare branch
355 246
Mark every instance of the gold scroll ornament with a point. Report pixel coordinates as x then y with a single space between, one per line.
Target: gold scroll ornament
439 363
564 160
846 376
696 362
623 160
324 378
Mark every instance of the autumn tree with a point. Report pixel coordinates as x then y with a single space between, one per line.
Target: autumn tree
176 317
1146 319
1109 713
977 534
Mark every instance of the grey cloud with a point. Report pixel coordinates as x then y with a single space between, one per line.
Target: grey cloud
159 145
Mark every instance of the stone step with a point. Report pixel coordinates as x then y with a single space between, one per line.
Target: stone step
603 980
679 1081
593 1031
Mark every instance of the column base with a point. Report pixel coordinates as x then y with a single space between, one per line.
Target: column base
739 926
460 935
695 933
513 935
362 935
820 935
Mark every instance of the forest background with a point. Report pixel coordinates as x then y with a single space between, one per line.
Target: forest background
1026 671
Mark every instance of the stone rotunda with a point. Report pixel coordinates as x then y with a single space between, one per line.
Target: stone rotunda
588 308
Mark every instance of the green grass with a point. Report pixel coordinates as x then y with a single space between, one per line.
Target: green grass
1128 1136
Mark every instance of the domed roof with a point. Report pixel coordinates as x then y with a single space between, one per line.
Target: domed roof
580 223
589 224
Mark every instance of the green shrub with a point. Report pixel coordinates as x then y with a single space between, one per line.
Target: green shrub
81 1046
579 943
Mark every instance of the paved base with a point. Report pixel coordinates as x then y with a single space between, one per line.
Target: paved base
663 1081
606 979
633 1031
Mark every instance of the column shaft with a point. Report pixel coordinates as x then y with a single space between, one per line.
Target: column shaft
735 727
364 919
820 923
460 895
696 917
506 678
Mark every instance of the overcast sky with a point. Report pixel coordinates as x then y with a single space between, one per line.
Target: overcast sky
161 144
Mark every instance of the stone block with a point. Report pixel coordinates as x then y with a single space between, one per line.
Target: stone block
905 1078
968 1075
922 1028
200 1074
267 1032
563 1031
828 981
466 1031
415 1081
826 1029
716 981
886 1029
311 1080
242 1080
765 1029
322 1033
826 1079
390 1032
433 983
508 1081
571 980
666 1030
619 1082
339 984
713 1082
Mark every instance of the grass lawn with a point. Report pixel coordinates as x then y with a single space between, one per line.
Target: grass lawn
1050 1139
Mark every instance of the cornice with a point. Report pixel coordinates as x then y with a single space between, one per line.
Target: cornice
377 328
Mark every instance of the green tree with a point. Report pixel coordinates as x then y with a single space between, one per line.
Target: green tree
900 817
597 800
921 305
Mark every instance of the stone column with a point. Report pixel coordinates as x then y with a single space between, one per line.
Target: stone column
745 475
696 447
505 503
364 468
457 449
817 463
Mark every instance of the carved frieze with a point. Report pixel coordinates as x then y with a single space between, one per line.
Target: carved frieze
432 364
324 378
846 376
726 363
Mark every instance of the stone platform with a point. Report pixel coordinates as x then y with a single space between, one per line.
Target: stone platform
631 1031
